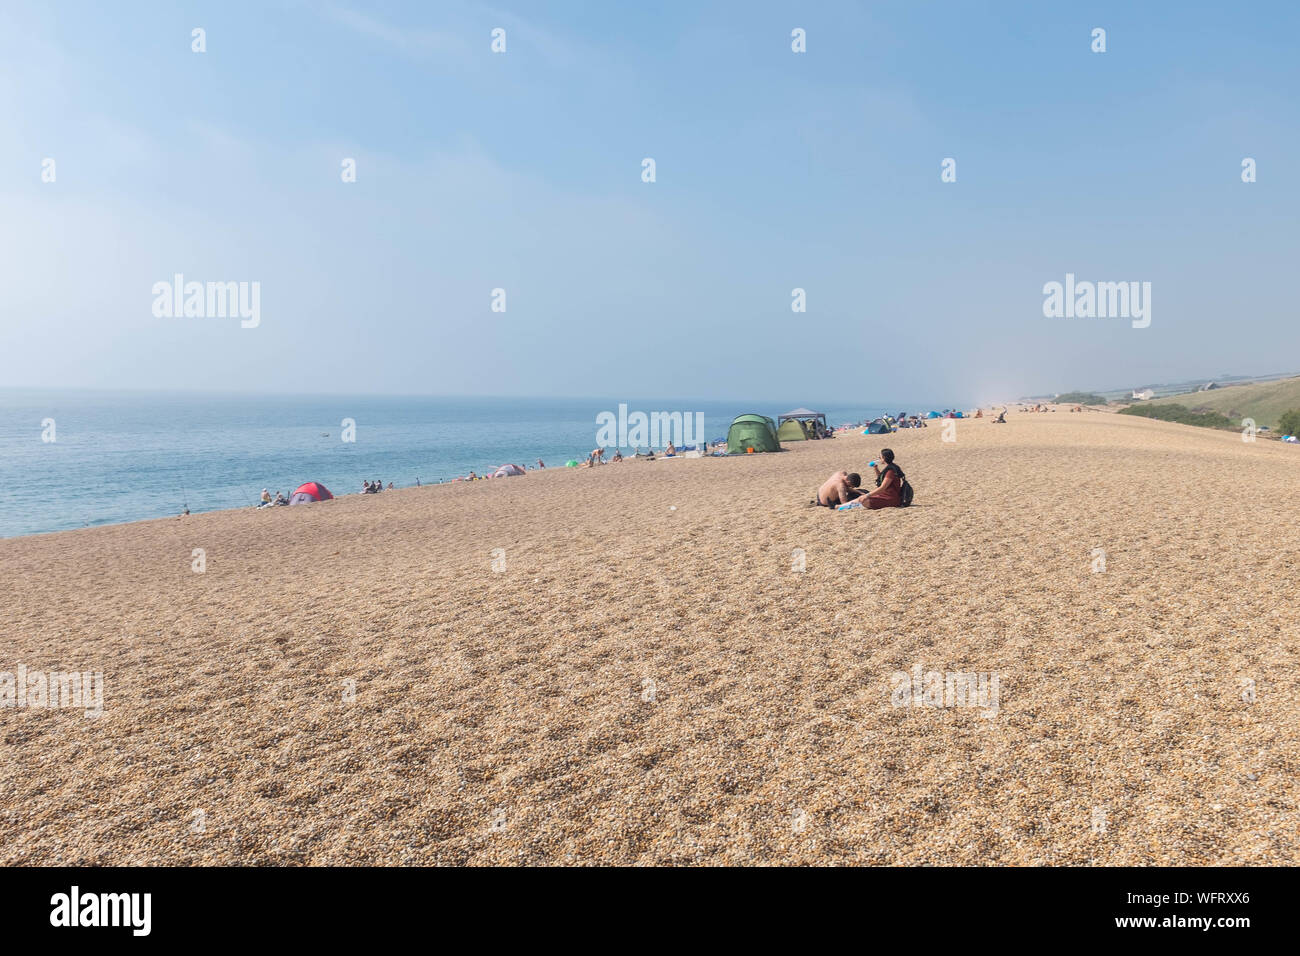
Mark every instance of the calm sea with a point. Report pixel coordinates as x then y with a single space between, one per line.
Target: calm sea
120 456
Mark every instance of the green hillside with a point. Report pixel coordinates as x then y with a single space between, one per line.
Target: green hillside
1264 402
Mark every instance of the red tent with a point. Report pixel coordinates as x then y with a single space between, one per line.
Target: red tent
308 492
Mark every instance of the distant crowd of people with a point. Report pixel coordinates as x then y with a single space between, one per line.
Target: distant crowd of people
376 486
267 501
597 455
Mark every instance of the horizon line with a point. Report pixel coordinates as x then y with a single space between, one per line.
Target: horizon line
119 390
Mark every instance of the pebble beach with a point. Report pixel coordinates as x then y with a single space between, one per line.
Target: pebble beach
682 662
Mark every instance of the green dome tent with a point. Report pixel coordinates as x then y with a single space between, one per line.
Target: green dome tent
800 425
791 430
752 431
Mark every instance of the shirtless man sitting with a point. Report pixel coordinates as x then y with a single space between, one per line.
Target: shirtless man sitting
839 489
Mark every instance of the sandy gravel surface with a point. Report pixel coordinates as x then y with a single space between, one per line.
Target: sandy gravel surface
650 685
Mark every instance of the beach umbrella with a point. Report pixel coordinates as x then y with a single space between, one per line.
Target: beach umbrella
308 492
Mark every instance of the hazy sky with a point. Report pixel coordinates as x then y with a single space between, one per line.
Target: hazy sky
523 170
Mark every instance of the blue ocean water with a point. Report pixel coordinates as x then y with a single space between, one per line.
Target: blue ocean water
124 456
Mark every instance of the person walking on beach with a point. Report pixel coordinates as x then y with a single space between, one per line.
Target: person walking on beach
839 489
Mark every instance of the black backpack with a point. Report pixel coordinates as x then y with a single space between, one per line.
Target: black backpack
905 493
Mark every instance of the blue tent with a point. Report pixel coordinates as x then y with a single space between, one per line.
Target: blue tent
932 415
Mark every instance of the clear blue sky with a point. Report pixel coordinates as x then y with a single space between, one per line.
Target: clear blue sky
522 170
